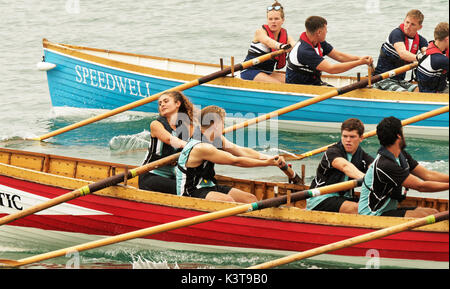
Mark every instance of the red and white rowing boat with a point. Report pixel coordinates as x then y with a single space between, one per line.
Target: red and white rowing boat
28 178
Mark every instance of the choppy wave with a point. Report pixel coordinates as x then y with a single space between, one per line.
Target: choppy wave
17 139
440 166
125 143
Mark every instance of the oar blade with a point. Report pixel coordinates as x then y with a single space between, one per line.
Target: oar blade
7 263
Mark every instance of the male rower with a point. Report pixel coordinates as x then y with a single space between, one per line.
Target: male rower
392 169
342 161
403 45
195 171
306 61
432 73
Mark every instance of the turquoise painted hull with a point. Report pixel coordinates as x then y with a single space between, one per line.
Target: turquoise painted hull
77 83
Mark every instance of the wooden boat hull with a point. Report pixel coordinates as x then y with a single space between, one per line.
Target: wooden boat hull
121 209
90 78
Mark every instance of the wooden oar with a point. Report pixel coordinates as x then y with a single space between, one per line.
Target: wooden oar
355 240
405 122
316 99
240 209
199 81
94 187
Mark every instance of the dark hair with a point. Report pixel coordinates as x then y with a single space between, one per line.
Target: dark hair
353 124
388 130
313 23
186 105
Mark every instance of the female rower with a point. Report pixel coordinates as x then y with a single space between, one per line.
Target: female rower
169 134
269 37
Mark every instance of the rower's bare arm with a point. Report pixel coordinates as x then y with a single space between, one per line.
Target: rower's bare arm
415 183
429 175
347 168
208 152
157 130
261 36
335 68
403 53
242 151
341 56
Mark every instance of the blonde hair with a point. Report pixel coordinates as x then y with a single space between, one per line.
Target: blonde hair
416 14
211 114
441 31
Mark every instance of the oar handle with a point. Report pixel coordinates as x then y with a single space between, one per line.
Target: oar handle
306 194
371 133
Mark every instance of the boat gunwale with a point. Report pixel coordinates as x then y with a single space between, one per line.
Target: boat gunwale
364 94
47 43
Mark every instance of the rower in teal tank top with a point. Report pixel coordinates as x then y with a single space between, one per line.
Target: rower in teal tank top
189 179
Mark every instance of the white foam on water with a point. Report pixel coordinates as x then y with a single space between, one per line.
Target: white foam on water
76 114
142 263
17 136
124 143
440 165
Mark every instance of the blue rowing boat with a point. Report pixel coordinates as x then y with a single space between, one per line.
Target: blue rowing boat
99 79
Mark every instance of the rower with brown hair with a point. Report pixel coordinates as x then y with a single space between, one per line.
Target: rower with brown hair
195 171
342 161
306 61
432 73
403 45
169 134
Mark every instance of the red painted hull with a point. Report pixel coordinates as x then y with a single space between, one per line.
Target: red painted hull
247 232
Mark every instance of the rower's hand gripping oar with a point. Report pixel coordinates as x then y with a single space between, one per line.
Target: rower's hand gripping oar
190 84
438 217
292 175
405 122
240 209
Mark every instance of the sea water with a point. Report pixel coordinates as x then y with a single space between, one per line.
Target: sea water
204 31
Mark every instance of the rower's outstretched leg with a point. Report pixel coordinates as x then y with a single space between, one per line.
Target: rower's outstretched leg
420 212
241 196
